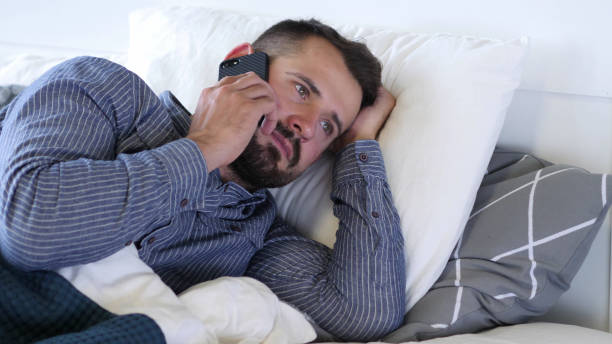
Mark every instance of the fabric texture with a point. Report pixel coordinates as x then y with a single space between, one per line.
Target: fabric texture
123 284
452 94
7 93
224 310
529 334
112 169
43 306
23 69
530 230
243 309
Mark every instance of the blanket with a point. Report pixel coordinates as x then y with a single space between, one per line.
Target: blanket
43 306
225 310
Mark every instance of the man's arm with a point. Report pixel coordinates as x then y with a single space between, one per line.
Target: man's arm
67 196
356 291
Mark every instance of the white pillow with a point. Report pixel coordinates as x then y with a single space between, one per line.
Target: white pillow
23 69
452 94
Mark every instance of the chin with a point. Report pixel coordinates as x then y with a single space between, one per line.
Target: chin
258 167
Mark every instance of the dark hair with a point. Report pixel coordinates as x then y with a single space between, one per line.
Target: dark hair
285 38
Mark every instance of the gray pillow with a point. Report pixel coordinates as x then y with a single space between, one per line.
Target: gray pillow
531 227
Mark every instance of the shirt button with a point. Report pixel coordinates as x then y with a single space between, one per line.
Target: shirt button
184 202
245 210
375 214
235 228
128 243
363 157
151 240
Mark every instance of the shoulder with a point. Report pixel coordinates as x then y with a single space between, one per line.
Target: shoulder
86 69
87 79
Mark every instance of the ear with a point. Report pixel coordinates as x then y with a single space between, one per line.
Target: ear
240 50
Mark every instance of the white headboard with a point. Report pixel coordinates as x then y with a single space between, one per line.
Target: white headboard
562 111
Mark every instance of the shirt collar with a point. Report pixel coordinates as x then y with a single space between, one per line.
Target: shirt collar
231 194
179 115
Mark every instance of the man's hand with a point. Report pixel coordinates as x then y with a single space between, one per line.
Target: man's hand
227 114
368 122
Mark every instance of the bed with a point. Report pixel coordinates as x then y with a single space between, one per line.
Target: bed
517 231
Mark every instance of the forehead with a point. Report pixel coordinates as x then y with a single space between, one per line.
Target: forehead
321 62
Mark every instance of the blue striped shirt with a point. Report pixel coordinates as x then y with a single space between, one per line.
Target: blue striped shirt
92 160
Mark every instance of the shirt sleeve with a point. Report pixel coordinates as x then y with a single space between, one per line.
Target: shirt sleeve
355 291
68 196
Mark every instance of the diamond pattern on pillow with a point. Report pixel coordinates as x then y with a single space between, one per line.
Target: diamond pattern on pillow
530 229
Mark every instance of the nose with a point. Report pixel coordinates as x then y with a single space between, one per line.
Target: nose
303 124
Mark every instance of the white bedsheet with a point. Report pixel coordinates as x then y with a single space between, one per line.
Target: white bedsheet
226 310
540 333
532 333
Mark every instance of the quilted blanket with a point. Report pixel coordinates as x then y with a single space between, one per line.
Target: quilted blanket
43 306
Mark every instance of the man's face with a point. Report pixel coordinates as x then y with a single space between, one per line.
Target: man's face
318 99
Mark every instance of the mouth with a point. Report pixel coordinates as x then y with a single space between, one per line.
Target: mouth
283 144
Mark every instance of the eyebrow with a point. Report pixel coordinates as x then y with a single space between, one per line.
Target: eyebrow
316 91
308 82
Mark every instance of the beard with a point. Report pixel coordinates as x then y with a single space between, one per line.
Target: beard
257 166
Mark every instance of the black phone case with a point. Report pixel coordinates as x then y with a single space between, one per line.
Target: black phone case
256 62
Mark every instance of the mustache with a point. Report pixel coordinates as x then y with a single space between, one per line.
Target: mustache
295 142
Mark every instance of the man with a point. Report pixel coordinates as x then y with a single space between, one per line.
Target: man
92 160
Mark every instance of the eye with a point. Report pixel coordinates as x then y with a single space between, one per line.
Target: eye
328 128
302 91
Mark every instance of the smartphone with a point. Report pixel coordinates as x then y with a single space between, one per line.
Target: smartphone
256 62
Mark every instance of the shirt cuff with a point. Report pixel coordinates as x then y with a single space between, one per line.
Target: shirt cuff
187 173
358 161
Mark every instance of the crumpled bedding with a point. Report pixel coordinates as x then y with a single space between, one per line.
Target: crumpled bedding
225 310
7 93
119 299
41 306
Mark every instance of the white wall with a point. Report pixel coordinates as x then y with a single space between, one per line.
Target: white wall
562 112
571 46
567 76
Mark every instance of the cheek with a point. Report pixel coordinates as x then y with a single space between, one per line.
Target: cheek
310 153
283 91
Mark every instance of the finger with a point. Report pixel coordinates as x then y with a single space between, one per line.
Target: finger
230 79
242 81
269 124
269 109
264 105
257 91
271 118
251 86
247 81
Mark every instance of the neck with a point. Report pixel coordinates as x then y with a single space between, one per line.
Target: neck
228 175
